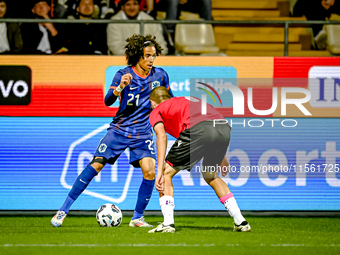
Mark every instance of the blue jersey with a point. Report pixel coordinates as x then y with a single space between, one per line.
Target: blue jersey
132 118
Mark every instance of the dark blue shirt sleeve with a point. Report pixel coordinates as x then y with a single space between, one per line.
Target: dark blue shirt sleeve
110 98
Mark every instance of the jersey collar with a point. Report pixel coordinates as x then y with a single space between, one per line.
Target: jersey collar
138 74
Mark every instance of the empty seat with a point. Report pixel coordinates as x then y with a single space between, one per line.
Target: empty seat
333 34
195 39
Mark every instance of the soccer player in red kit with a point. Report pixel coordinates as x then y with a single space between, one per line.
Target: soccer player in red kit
197 137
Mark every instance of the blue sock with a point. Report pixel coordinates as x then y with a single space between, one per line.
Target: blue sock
79 186
67 204
144 195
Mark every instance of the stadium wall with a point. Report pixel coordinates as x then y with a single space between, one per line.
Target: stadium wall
52 117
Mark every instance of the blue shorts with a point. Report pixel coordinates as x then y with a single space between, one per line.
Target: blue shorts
113 144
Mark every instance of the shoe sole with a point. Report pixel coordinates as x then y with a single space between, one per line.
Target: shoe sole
143 226
55 224
168 231
172 230
246 228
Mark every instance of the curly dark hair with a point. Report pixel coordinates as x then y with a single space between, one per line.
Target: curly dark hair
134 49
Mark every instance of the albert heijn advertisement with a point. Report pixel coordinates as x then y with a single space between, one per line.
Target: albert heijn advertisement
284 151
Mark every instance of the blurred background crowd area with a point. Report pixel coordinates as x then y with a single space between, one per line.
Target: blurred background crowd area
181 39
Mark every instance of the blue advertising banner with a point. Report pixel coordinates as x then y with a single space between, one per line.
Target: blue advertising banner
280 165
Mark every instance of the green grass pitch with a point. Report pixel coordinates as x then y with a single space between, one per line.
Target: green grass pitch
82 235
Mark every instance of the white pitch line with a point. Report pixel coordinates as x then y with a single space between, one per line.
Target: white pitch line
101 245
161 245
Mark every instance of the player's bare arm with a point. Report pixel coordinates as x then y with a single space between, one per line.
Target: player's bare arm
125 81
161 143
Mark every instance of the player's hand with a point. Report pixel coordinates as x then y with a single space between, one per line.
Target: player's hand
159 183
125 80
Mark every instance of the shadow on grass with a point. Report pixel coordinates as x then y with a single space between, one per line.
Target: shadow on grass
198 228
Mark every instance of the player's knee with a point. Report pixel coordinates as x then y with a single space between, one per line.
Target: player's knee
149 171
169 171
149 174
148 168
166 169
209 177
98 163
208 180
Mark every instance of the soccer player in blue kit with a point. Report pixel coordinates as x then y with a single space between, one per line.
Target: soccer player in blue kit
130 127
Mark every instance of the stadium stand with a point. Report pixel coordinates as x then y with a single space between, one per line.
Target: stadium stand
259 40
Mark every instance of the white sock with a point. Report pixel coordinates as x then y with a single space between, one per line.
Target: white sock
233 210
167 205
